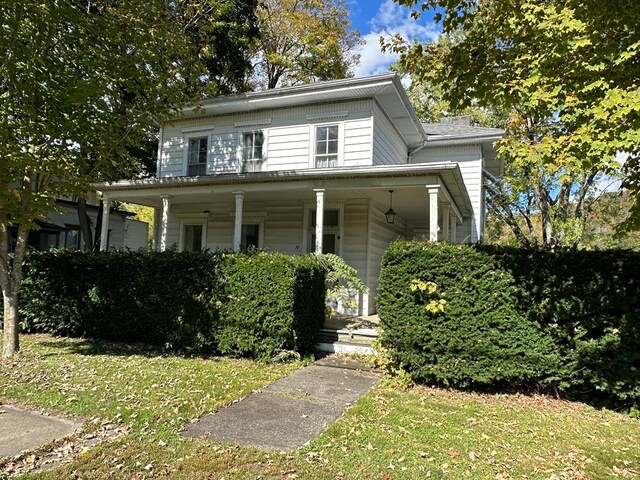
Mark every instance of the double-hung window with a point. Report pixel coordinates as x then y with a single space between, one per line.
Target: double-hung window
252 151
197 156
326 146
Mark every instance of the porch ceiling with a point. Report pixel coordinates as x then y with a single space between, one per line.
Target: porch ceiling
373 183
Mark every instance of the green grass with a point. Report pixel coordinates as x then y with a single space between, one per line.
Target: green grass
388 434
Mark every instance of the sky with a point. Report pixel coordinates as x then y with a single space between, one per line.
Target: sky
376 18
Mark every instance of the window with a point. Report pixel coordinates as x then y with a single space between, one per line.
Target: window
326 146
252 145
197 157
250 236
252 151
192 238
72 237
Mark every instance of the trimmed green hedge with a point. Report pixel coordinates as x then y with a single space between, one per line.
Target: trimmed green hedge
237 304
563 320
272 303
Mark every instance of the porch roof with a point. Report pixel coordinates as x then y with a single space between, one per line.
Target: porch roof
384 177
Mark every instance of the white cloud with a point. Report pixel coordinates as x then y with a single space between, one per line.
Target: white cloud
611 183
390 19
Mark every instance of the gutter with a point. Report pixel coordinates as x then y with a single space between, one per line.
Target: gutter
446 142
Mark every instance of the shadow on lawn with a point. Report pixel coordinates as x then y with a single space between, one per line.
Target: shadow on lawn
102 347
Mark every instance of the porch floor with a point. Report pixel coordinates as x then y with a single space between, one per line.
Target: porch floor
349 334
352 322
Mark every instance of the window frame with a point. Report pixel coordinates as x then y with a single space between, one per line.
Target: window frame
192 219
187 153
339 143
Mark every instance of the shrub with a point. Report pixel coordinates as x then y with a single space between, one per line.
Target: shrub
272 303
239 304
151 297
563 320
477 337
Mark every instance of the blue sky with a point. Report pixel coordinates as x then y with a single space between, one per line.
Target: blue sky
376 18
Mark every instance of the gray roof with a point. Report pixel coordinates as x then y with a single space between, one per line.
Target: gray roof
440 131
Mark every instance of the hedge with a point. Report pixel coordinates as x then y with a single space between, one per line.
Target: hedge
561 320
237 304
271 303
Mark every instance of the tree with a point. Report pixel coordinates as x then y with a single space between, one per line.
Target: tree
303 41
79 81
429 100
218 35
567 71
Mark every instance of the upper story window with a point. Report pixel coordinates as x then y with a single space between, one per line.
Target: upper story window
252 143
326 146
197 159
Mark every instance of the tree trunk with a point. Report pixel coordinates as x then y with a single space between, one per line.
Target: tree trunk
11 341
10 280
96 240
84 223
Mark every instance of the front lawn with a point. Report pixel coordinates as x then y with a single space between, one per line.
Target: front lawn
389 434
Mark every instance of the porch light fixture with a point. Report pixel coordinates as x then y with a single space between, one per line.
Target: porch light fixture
390 215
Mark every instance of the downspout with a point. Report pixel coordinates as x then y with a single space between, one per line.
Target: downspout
417 149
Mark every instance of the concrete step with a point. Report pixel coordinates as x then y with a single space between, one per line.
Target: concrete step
345 347
359 336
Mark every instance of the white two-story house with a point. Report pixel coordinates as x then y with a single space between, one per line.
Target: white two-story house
311 168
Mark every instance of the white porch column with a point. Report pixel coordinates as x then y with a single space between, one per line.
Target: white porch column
104 236
433 213
157 218
445 221
237 226
454 234
319 218
164 224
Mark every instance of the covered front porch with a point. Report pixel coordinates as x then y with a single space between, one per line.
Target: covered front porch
339 211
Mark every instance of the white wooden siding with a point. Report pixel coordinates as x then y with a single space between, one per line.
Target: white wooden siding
388 146
223 151
287 137
469 159
357 142
288 147
381 234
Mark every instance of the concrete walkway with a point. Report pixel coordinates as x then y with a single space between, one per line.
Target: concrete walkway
24 430
290 411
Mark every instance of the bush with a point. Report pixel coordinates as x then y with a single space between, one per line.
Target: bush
157 298
514 318
478 338
272 303
178 300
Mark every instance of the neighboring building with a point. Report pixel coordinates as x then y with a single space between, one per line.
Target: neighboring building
61 229
309 168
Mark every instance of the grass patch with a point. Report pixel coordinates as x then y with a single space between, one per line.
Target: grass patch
388 434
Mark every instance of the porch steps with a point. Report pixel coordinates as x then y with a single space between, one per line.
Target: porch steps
347 340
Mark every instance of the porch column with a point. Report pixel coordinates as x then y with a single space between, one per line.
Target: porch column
104 236
454 235
237 226
433 213
164 224
157 218
319 218
445 221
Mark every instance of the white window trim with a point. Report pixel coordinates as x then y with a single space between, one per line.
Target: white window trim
192 219
306 225
240 147
253 218
187 138
312 142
